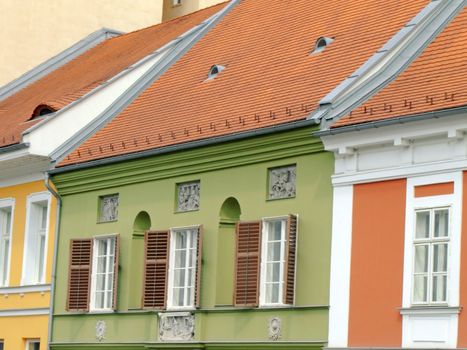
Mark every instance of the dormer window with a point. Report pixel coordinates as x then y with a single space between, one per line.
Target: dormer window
42 110
214 71
322 43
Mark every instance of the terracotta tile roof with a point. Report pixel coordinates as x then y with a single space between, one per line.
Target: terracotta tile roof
87 71
270 77
436 80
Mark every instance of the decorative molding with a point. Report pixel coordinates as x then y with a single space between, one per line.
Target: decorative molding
176 326
275 329
100 330
25 289
279 145
188 196
282 181
24 312
431 310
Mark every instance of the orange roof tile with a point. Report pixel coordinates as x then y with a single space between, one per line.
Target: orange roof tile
436 80
87 71
270 77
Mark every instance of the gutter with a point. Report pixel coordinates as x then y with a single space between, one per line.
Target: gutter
54 263
187 146
393 121
15 147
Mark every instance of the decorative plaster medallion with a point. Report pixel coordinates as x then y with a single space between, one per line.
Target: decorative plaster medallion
282 182
100 330
176 326
109 208
188 196
274 328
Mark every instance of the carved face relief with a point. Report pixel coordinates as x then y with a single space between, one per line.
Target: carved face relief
188 196
282 182
274 328
100 330
109 208
176 327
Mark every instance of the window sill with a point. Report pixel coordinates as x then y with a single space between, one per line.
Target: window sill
97 312
431 310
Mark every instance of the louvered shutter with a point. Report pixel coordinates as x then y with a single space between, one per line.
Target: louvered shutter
79 274
290 260
116 262
247 263
199 258
156 263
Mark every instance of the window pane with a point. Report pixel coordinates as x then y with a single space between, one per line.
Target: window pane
108 304
420 288
273 272
421 258
100 282
440 257
180 258
99 300
180 240
43 219
179 278
189 295
272 293
423 224
178 295
110 281
101 268
439 288
274 251
101 247
191 277
442 223
8 223
274 230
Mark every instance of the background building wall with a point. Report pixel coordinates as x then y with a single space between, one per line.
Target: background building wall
187 6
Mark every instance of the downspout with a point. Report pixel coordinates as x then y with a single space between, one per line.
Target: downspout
55 251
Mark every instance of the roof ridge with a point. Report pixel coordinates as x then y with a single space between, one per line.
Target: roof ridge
57 61
388 62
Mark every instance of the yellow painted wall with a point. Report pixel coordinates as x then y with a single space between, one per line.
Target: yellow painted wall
15 329
32 31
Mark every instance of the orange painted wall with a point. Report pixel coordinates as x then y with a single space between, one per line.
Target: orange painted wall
462 333
377 264
434 189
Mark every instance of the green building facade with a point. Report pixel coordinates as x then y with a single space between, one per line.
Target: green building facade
256 178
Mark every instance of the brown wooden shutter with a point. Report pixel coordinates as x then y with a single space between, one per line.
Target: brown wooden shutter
199 258
156 265
79 274
247 263
290 260
116 261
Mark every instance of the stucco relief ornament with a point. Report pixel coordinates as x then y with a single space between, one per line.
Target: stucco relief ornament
176 327
109 211
282 182
274 329
188 196
100 330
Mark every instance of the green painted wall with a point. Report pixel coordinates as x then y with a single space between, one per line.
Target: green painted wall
236 169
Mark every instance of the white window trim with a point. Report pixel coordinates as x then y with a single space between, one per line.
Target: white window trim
31 199
170 281
9 203
92 309
32 340
419 320
262 291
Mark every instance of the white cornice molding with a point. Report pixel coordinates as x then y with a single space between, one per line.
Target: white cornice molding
25 289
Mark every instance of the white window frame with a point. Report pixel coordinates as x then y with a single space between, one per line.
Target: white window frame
430 242
29 342
7 203
33 199
92 298
263 265
171 273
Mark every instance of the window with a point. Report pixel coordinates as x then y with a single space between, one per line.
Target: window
34 261
1 344
176 2
321 44
108 208
431 249
103 270
214 71
182 268
273 261
33 344
181 263
6 222
265 262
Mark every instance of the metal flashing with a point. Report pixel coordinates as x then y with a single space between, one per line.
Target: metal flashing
14 147
388 62
393 121
186 146
57 61
178 47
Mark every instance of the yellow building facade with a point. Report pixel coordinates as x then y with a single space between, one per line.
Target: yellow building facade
27 227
